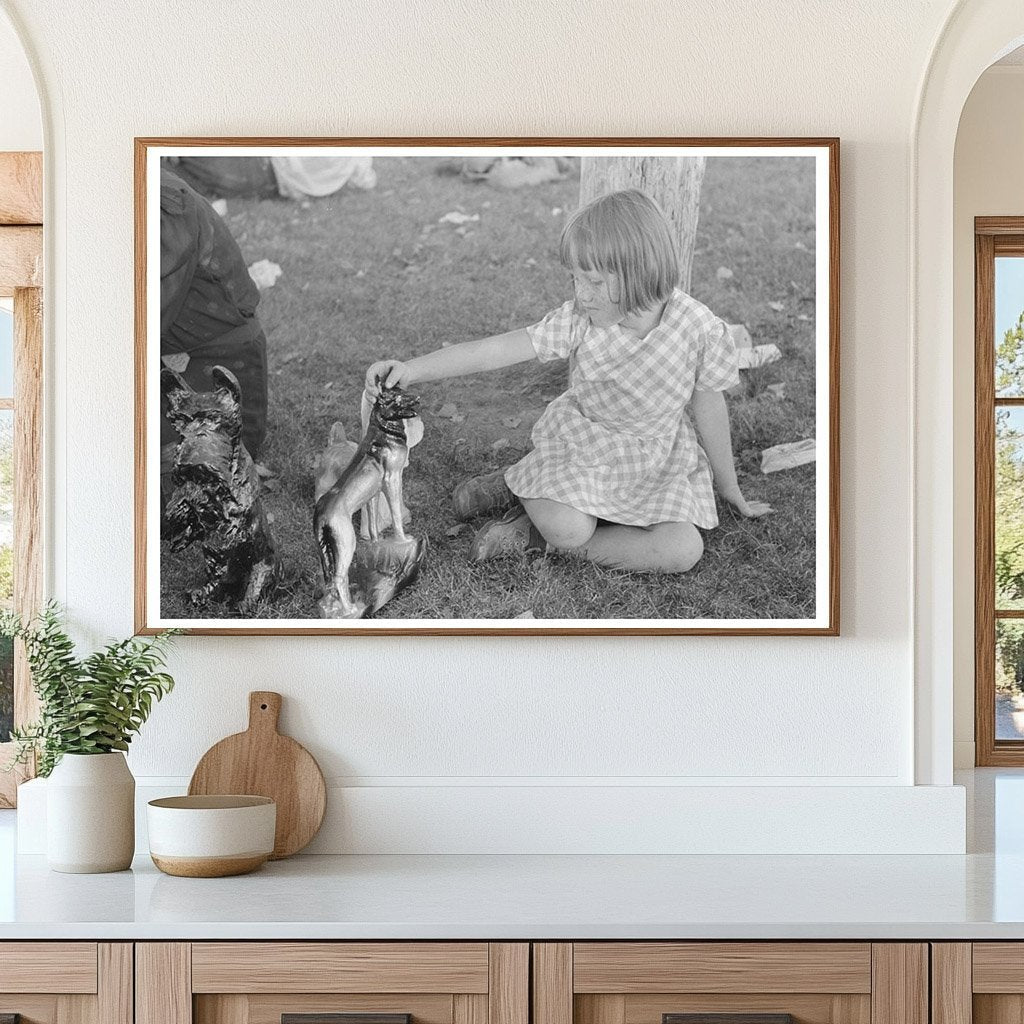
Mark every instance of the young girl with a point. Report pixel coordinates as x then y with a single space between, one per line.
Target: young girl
616 474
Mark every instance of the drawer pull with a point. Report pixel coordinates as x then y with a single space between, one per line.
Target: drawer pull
727 1018
339 1018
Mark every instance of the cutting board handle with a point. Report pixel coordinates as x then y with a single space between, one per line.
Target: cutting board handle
264 710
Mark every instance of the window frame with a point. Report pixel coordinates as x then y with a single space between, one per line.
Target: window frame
21 278
993 237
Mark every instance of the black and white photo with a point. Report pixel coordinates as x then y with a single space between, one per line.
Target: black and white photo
398 386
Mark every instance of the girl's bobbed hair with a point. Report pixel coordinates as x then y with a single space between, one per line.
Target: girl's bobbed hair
627 234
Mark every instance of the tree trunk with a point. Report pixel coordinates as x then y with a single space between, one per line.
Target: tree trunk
673 182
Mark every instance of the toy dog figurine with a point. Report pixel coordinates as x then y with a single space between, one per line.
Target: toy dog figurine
391 427
333 461
216 498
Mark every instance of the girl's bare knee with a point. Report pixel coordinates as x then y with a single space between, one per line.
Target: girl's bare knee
561 526
684 549
567 535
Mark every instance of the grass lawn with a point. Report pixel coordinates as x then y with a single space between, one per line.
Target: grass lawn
369 275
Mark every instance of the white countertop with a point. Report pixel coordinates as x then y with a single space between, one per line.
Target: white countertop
979 895
517 897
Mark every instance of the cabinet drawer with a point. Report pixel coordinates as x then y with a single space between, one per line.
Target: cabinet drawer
332 983
998 967
64 967
340 967
730 983
633 967
66 982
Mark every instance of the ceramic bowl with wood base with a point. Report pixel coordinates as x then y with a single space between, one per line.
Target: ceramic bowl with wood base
211 836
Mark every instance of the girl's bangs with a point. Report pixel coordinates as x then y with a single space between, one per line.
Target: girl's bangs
579 248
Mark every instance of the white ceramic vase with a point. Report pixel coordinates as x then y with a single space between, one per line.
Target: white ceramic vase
90 814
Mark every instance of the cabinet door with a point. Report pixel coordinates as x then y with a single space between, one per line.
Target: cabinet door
981 982
66 982
730 983
332 983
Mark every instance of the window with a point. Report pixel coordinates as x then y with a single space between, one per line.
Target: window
999 490
21 320
6 511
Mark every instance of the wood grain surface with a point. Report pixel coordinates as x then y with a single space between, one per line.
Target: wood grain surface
21 258
984 504
65 967
304 967
469 1008
806 1008
163 983
21 204
508 992
989 1008
262 762
346 1017
28 482
951 983
552 983
900 989
998 967
628 967
115 999
21 188
271 1008
599 1009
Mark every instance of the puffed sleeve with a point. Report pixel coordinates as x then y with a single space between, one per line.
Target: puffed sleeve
555 335
718 369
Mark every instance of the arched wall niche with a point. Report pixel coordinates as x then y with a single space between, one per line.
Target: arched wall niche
976 34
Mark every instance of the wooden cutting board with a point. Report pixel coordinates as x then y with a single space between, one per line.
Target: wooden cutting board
262 762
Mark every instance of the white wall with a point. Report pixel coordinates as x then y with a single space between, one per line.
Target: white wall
464 711
987 182
21 127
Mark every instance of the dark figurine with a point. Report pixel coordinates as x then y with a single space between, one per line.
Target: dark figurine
216 498
381 566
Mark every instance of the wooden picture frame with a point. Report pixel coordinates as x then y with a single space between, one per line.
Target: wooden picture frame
785 189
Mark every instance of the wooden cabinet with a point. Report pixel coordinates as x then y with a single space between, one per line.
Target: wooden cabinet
512 983
654 982
979 982
263 982
66 982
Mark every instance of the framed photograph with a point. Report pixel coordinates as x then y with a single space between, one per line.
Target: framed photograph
491 386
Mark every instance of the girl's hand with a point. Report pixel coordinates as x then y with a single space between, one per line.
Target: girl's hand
748 509
391 372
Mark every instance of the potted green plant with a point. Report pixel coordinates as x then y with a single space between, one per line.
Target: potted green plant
89 710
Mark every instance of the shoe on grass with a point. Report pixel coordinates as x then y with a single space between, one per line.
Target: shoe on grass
513 534
482 494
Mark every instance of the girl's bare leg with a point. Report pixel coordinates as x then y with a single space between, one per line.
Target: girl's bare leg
562 526
664 547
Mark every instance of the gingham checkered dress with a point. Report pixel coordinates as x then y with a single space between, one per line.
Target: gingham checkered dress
619 444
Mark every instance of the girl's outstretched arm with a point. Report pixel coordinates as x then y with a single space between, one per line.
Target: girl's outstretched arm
454 361
711 418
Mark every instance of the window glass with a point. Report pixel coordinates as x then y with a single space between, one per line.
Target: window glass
6 352
1009 327
1009 679
1009 511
